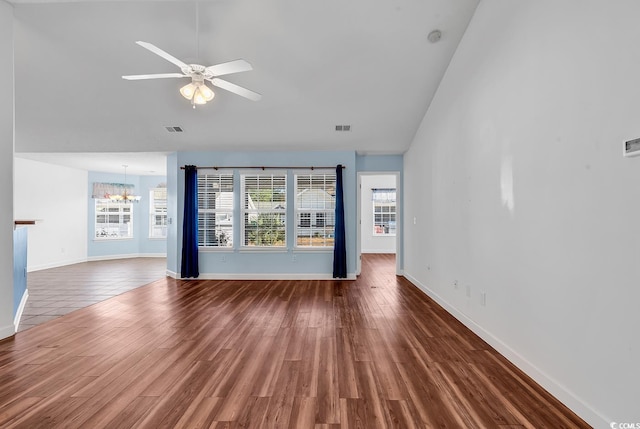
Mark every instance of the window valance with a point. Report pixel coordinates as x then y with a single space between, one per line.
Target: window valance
105 190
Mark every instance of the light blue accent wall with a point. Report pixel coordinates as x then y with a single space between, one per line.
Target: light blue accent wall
140 244
19 266
387 163
379 163
98 248
255 261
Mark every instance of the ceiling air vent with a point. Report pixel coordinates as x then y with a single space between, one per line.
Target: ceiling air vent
174 129
343 127
632 147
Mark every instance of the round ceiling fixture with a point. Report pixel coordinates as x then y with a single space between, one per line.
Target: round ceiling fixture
434 36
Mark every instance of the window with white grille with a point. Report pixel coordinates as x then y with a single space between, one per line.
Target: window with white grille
215 209
158 212
384 211
315 209
113 220
263 206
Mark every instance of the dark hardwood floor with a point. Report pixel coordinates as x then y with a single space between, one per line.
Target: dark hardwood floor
371 353
55 292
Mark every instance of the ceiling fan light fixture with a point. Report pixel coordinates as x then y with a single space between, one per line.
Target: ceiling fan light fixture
197 92
206 92
188 91
199 99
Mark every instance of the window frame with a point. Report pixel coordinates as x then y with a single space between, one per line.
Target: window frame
392 212
325 227
108 236
154 213
225 181
280 212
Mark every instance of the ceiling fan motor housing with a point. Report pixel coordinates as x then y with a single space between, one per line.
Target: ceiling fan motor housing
197 72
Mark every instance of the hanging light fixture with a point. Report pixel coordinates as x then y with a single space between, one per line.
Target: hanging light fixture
125 197
197 91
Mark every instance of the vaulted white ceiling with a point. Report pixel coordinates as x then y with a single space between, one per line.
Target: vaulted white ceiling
365 63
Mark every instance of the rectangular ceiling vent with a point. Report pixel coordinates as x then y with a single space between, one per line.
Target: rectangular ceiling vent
632 147
174 129
343 127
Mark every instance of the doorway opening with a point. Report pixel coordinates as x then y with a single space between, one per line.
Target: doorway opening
379 216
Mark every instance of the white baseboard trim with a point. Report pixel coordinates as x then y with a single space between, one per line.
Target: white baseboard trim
31 268
564 395
152 255
92 259
23 302
126 256
262 276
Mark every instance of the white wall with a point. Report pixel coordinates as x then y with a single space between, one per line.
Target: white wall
374 243
6 170
57 196
519 189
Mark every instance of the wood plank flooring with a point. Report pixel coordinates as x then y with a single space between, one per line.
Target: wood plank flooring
371 353
55 292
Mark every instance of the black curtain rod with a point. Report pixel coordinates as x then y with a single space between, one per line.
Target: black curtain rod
265 168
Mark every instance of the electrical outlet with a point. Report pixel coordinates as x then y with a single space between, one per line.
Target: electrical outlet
455 284
483 299
468 291
223 258
294 258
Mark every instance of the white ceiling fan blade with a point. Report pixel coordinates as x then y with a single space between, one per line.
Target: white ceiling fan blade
235 66
153 76
232 87
162 53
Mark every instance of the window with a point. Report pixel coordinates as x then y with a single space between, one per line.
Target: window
114 220
264 203
315 209
158 212
215 209
384 211
305 220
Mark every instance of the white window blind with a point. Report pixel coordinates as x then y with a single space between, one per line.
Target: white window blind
158 212
264 204
315 209
384 211
113 220
215 209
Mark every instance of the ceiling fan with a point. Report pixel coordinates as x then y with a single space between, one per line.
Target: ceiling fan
197 91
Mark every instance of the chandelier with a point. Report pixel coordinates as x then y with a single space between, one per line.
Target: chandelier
125 197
